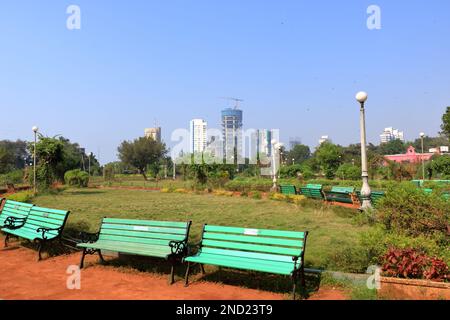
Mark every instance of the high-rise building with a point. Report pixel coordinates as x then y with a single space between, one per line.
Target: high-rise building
264 142
232 133
324 139
198 135
294 141
390 134
154 133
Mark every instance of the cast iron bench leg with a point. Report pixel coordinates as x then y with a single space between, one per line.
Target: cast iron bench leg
186 280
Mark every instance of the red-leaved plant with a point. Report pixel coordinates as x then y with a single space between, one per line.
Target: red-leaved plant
414 264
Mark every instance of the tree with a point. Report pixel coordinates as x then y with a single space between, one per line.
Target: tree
300 153
13 154
393 147
446 123
348 171
141 153
6 160
441 165
329 157
49 154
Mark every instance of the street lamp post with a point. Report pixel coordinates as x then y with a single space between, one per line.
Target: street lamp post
35 130
366 193
422 135
174 171
275 154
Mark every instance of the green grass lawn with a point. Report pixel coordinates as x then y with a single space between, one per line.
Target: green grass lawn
331 229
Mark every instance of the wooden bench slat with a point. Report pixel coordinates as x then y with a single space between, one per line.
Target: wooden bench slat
241 265
149 229
247 254
129 239
251 247
253 239
141 234
146 223
261 232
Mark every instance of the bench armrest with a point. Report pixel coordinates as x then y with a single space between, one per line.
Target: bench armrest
86 237
45 230
10 223
178 247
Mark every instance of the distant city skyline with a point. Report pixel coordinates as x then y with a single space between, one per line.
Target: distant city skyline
297 66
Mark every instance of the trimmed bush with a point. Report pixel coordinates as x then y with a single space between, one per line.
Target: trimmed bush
23 196
409 210
76 178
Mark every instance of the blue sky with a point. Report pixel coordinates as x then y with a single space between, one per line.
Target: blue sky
297 64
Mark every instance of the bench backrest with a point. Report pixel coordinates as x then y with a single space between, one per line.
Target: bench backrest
46 218
312 191
343 189
288 189
256 243
14 209
159 233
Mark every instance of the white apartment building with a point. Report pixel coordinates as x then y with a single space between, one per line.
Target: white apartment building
198 133
390 134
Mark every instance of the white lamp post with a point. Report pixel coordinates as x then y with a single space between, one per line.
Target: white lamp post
35 130
422 135
174 170
366 193
275 154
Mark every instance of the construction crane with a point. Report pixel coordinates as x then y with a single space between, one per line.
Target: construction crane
236 101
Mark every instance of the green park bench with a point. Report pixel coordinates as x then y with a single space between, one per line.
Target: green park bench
376 196
270 251
312 191
288 189
41 225
340 194
17 210
428 190
159 239
446 195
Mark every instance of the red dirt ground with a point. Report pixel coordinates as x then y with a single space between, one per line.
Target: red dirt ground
23 278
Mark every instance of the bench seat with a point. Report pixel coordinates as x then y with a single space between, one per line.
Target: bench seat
141 249
160 239
340 194
268 266
263 250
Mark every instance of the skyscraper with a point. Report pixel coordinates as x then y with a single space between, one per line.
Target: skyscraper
232 133
390 134
154 133
198 135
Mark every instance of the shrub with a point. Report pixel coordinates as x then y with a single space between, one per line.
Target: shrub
296 199
409 210
165 190
278 197
349 172
378 241
256 195
108 172
13 177
413 264
76 178
23 196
